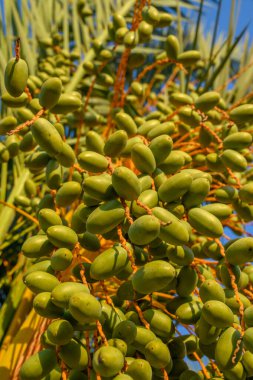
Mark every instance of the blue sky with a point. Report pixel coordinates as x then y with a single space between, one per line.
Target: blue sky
245 16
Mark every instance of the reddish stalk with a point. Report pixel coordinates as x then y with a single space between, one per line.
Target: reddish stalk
17 49
141 316
27 123
123 243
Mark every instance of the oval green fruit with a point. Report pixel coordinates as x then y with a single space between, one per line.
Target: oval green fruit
119 344
108 361
126 152
84 307
109 263
247 361
177 348
7 124
187 280
179 99
161 147
95 142
236 373
139 369
219 210
224 274
99 187
43 306
105 217
22 200
244 210
38 365
60 332
228 349
60 128
53 175
116 143
47 218
144 230
172 47
123 376
151 15
175 232
4 153
234 160
196 193
149 198
131 39
153 276
211 290
37 246
207 333
89 241
30 188
43 265
240 251
174 187
67 103
160 323
232 300
66 157
143 337
248 316
111 316
46 136
207 101
62 292
242 114
217 314
55 374
147 127
173 162
13 102
157 354
189 312
61 259
15 76
205 222
180 255
237 141
143 158
46 202
126 183
62 237
92 162
248 339
50 92
74 355
246 192
226 194
125 122
68 193
189 57
39 282
125 330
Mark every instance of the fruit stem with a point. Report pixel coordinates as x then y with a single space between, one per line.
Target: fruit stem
124 245
165 375
141 316
22 212
17 49
28 122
